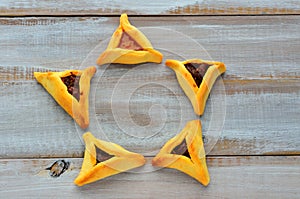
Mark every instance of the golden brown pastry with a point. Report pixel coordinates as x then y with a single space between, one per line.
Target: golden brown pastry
197 77
70 89
185 152
128 45
103 159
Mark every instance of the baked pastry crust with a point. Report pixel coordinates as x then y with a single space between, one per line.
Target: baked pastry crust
78 110
121 160
137 50
195 164
197 95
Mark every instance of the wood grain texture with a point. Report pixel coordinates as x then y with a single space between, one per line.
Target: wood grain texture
262 116
261 83
251 119
245 44
276 177
191 7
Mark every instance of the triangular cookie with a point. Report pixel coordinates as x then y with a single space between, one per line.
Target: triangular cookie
70 89
128 45
197 77
185 152
103 159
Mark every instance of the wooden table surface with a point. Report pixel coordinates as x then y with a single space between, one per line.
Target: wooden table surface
257 150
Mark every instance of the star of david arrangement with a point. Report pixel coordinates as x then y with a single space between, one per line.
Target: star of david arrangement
184 152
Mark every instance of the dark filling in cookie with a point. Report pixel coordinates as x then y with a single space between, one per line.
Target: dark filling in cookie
197 70
181 149
102 156
72 83
127 42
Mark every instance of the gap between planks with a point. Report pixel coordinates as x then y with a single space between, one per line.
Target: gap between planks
168 7
231 177
145 16
250 46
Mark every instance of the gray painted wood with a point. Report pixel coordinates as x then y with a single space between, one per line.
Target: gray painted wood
231 177
261 116
140 107
261 84
191 7
252 47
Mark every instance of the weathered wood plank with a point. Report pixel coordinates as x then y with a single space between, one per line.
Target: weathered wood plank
266 176
262 83
272 42
262 116
191 7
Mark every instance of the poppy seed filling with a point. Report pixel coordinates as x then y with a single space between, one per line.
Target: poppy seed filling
181 149
197 71
102 156
72 83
